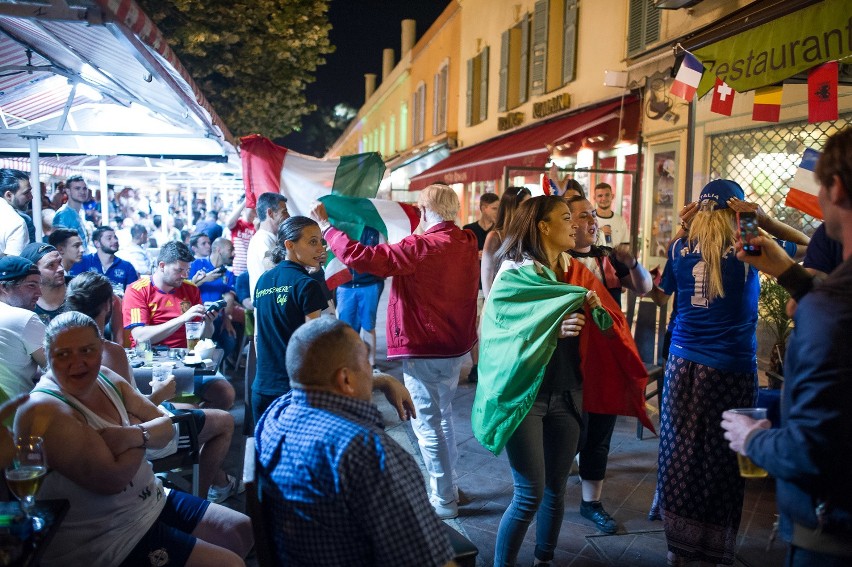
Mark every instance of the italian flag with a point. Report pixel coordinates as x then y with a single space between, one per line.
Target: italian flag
303 179
804 187
393 220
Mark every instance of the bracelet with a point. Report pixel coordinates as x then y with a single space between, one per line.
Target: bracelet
146 435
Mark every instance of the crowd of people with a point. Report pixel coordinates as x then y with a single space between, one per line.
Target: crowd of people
532 290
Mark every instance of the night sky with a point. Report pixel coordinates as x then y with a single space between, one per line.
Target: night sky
361 29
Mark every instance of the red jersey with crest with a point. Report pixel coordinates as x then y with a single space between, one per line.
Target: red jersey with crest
144 304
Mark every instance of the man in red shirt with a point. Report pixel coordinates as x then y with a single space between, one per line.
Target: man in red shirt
156 307
241 225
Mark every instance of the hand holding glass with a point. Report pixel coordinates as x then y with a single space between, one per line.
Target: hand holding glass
747 468
26 473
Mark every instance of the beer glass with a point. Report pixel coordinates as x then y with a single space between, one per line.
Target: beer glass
747 468
194 329
25 475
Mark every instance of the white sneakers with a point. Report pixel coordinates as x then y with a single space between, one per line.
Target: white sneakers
218 494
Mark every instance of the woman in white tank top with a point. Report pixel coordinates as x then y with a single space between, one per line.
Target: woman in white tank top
96 428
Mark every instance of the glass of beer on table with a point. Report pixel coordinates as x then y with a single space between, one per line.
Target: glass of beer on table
194 329
26 473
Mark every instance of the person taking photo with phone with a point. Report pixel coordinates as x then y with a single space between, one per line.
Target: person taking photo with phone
217 282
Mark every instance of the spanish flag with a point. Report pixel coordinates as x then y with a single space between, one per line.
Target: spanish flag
767 104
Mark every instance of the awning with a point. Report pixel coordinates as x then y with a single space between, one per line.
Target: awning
531 147
96 77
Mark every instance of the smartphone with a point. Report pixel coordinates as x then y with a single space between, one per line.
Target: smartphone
216 306
748 231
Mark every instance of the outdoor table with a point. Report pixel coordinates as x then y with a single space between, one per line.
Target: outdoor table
184 374
52 512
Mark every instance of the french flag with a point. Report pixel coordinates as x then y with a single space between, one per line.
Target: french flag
688 76
805 187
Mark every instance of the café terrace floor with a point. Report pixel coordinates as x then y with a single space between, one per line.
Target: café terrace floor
486 483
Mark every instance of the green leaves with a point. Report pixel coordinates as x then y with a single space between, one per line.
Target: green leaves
252 59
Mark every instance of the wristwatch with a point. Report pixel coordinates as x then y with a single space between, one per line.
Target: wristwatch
146 435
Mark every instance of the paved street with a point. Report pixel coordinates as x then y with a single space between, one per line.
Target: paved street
485 481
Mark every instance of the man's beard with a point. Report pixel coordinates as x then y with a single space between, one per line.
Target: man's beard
107 250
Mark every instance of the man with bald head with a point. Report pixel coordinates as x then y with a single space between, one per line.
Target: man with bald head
340 491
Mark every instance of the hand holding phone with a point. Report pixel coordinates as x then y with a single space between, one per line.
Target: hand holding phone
216 306
747 222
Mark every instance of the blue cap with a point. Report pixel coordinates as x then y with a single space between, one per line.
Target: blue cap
16 268
720 190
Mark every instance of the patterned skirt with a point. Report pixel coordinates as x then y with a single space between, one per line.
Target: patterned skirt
699 492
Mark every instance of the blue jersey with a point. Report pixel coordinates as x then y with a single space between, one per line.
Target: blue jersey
718 333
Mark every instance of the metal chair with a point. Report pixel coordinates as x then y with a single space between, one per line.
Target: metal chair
185 458
648 326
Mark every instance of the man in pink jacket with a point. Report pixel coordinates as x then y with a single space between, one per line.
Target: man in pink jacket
431 321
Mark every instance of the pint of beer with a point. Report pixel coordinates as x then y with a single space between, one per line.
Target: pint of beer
194 329
747 468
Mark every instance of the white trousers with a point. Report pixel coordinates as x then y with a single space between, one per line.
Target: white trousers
432 383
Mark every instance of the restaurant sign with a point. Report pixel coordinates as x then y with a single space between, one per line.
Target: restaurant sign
779 49
552 105
510 120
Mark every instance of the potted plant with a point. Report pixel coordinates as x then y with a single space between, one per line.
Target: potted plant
772 310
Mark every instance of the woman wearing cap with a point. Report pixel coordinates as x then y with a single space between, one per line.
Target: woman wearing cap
711 368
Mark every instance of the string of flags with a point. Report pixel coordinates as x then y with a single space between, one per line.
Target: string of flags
822 91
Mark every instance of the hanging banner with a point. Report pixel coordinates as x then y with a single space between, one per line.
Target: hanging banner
779 49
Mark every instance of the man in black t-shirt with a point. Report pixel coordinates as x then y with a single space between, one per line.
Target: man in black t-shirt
489 204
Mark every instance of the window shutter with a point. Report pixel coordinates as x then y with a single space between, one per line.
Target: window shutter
415 116
442 98
436 103
539 54
569 41
523 93
469 121
652 24
634 25
504 72
483 88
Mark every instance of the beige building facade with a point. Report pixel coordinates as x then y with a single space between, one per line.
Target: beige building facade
497 93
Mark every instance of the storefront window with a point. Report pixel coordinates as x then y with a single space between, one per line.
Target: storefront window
764 160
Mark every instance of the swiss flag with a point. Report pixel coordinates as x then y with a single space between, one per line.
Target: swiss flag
723 98
822 93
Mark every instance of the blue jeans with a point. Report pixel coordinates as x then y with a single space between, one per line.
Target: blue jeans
540 453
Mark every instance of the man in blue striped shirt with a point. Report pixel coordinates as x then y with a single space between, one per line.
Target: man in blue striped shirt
340 491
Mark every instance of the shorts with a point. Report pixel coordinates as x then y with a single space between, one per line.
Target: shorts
170 540
357 306
203 381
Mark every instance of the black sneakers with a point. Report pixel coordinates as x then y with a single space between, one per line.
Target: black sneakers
594 511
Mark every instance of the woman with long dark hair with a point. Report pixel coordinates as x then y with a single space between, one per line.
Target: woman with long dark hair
509 203
285 297
533 382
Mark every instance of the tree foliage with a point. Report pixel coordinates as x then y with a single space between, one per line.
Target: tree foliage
252 59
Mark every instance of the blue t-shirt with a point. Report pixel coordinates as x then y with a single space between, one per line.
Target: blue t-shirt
212 291
121 272
283 297
69 218
824 254
718 333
